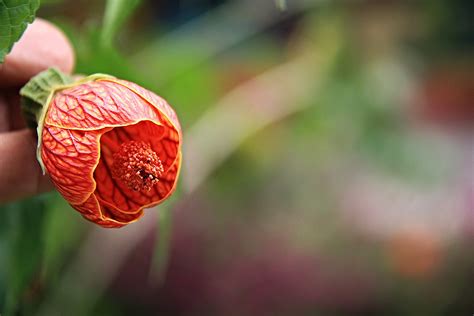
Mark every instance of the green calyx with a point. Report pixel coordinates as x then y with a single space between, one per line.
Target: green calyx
38 93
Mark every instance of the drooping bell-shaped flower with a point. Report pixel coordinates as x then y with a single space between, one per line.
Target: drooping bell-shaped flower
111 147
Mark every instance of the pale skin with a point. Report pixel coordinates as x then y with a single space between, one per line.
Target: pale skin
42 46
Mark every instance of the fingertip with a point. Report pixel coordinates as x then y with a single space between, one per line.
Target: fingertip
43 45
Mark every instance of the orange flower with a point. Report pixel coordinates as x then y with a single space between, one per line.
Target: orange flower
111 147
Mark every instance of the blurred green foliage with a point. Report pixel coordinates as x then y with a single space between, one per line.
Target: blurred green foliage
116 12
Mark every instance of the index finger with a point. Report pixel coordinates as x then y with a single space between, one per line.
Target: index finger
42 46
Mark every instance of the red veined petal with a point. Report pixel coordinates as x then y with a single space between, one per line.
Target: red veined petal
98 104
153 99
90 209
70 157
117 195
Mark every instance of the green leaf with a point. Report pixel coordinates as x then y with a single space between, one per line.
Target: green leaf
116 12
14 18
281 5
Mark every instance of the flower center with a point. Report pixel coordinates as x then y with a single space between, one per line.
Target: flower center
137 166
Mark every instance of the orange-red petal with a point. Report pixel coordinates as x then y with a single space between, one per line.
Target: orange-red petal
70 156
158 102
98 104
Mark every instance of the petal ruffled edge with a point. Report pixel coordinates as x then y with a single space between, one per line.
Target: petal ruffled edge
94 212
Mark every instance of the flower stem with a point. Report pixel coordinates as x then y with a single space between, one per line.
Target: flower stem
162 247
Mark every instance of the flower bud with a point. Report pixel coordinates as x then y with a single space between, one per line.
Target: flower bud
111 147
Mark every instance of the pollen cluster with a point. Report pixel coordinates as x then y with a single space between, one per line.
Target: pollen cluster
137 165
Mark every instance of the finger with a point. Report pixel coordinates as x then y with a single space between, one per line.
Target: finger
11 117
42 46
20 173
16 120
4 114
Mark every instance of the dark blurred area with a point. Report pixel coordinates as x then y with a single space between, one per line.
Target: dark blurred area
329 164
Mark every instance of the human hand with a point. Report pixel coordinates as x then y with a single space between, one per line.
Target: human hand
41 46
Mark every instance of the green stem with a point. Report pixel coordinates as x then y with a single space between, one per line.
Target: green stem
161 253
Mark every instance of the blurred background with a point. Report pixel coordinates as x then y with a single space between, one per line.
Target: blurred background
328 164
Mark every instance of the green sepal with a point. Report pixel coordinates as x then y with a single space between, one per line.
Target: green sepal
37 92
